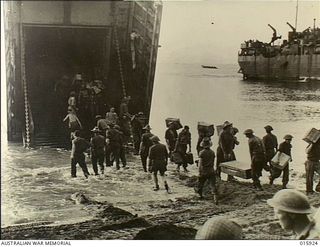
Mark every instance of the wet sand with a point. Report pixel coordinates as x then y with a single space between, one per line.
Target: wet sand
137 207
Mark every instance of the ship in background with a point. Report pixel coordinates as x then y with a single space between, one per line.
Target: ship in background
296 59
113 41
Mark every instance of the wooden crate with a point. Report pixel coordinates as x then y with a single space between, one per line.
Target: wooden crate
176 122
206 128
280 160
237 169
312 136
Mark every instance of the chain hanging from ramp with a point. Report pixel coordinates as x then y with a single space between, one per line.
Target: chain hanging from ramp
124 91
25 92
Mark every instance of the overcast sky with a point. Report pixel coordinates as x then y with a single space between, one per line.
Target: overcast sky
187 35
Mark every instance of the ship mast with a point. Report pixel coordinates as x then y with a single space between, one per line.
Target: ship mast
296 22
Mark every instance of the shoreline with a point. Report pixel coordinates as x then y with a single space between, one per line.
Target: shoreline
237 200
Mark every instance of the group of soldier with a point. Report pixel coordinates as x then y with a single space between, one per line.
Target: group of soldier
109 143
290 206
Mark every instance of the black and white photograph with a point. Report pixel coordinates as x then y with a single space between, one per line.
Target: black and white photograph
160 120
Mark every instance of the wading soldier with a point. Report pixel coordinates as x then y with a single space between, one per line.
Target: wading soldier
271 144
97 150
145 145
113 146
226 145
122 150
284 147
312 165
183 141
158 160
206 168
171 138
102 124
257 153
292 208
112 116
79 146
136 131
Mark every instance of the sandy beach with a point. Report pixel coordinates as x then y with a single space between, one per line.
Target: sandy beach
124 219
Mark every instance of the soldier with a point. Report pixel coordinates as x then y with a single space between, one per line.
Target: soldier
136 131
102 124
292 208
271 144
145 145
113 142
122 150
125 117
158 160
312 165
182 143
79 146
285 147
112 116
219 228
226 145
257 153
206 168
97 150
171 138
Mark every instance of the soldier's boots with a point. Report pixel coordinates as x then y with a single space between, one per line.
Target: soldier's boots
167 188
156 188
257 186
271 181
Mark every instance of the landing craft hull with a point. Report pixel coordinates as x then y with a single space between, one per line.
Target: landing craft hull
281 67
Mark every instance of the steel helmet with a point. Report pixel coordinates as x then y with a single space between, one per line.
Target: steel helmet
291 201
288 137
219 228
248 131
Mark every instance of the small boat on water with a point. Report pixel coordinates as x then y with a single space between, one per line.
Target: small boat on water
208 67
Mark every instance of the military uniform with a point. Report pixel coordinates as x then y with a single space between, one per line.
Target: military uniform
225 149
158 156
275 172
171 136
79 146
312 165
97 152
183 140
146 143
257 153
206 169
113 146
312 231
271 144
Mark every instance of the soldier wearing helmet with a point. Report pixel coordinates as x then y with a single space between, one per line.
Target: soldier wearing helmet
219 228
171 136
284 147
257 153
270 143
145 145
158 160
226 144
292 208
113 146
